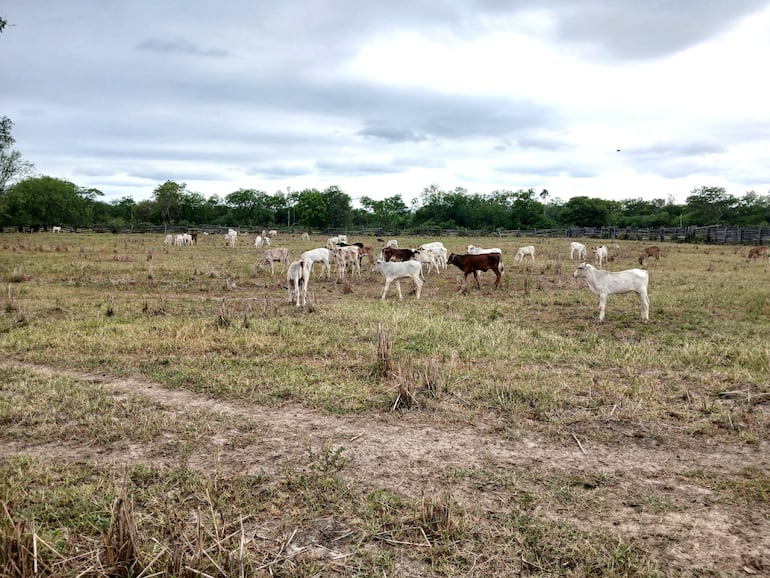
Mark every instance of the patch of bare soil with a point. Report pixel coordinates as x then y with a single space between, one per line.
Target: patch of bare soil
694 533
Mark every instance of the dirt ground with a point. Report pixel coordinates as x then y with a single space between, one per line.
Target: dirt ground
398 454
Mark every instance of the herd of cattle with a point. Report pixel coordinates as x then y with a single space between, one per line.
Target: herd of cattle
396 264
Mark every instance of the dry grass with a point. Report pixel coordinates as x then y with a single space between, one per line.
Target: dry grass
527 359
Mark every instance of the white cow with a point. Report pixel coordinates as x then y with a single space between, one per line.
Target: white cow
523 252
394 271
574 247
259 241
305 236
437 249
272 256
298 277
169 240
56 229
603 283
601 254
230 240
319 255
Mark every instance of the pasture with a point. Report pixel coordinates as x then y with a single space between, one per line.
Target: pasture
165 410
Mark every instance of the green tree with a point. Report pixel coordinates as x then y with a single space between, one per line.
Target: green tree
587 212
251 207
311 208
45 201
168 198
339 207
710 206
12 166
390 213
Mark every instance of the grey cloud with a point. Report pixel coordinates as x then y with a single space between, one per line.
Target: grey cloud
180 45
278 171
391 134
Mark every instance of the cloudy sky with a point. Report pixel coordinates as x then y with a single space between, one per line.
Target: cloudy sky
610 99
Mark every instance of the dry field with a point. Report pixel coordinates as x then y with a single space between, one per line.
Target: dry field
165 411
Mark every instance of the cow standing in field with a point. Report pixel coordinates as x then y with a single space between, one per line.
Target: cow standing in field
652 251
474 263
757 252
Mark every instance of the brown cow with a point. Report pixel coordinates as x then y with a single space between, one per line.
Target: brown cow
474 263
394 254
651 251
757 252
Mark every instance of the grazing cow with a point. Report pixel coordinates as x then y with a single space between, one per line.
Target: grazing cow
603 283
394 271
523 252
392 243
298 277
194 237
272 233
230 239
394 254
320 255
259 241
305 236
757 252
574 247
272 256
601 254
169 240
56 229
474 263
652 251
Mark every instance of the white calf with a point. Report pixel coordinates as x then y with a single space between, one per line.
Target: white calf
230 240
259 241
332 242
428 258
392 243
298 277
320 255
272 256
601 255
305 236
56 229
344 256
438 251
523 252
603 283
169 240
394 271
579 248
272 233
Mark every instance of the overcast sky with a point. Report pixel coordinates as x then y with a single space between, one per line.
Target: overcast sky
604 98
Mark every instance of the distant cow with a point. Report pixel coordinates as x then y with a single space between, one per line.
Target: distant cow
757 252
651 251
394 254
474 263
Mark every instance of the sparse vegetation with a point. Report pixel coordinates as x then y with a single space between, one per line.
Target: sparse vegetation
203 425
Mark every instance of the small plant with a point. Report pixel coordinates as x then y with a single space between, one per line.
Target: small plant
222 319
18 275
384 348
111 307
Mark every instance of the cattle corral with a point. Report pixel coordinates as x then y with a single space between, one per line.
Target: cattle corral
487 432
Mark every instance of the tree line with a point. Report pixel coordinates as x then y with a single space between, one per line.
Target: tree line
46 201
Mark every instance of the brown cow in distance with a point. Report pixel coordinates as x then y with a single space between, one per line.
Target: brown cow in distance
652 251
394 254
474 263
757 252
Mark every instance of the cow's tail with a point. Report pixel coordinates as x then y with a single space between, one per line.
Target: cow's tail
502 265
